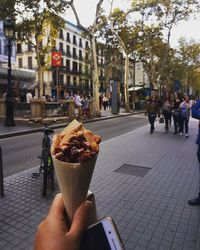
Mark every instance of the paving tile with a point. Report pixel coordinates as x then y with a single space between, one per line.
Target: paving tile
150 212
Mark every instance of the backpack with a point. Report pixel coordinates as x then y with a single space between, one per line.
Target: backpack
196 110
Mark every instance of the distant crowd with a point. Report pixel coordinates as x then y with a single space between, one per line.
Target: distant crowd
178 109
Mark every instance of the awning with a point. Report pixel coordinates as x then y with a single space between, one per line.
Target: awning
26 85
134 88
19 74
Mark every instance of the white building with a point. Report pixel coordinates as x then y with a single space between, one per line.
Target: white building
74 74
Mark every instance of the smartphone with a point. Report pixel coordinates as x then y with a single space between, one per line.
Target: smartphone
103 235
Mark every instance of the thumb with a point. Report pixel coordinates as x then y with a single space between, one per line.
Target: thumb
79 222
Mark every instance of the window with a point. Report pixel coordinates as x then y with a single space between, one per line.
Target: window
74 81
61 34
86 56
80 55
74 53
19 48
68 64
68 50
80 67
61 47
68 80
86 69
86 44
62 62
75 68
30 63
80 42
20 62
29 48
68 37
74 39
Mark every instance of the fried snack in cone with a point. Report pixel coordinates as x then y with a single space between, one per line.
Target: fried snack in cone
74 177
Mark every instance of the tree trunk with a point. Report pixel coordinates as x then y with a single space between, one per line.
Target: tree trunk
126 95
95 80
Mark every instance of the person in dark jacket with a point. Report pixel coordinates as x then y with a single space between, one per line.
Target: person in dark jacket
196 200
152 110
176 112
167 112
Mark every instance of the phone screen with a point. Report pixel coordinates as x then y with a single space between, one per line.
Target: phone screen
95 239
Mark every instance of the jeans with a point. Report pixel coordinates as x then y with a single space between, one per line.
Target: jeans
167 116
176 119
151 121
184 123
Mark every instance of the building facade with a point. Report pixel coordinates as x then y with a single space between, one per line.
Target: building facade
75 72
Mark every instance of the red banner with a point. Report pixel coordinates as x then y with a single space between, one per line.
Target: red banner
56 59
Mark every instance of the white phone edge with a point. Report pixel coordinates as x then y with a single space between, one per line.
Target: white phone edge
111 233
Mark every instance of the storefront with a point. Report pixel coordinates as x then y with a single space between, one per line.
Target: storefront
22 80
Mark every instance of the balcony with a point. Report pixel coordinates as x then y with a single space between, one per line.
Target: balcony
19 51
75 72
75 56
68 54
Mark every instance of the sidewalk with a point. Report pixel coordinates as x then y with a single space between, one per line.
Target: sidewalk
148 203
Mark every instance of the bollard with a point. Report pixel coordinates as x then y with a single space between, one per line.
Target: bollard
1 174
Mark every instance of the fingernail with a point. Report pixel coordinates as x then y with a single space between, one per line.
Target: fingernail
87 205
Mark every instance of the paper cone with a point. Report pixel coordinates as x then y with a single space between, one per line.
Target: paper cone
93 216
74 181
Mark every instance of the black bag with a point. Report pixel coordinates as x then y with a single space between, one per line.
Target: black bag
161 120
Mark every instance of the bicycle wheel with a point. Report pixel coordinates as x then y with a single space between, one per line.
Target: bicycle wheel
45 155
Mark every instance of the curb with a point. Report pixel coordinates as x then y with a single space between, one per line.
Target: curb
36 130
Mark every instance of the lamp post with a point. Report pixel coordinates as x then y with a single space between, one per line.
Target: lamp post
9 34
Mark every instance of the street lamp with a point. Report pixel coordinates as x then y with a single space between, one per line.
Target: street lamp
9 34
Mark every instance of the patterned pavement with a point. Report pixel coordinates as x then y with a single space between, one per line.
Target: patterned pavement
149 207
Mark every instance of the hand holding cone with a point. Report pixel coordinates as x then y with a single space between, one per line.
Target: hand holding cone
74 153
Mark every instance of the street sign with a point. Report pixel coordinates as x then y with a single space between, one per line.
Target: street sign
56 59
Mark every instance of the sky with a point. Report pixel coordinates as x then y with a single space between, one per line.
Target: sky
86 12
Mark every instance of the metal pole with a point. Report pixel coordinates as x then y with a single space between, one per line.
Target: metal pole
57 81
9 121
1 174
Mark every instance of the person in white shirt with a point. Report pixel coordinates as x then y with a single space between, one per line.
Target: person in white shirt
78 102
29 96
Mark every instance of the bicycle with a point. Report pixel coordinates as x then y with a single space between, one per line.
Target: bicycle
46 164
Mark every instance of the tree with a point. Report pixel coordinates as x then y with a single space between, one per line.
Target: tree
37 25
170 13
188 54
39 29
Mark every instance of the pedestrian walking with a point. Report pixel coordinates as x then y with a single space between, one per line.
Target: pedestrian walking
176 112
167 112
78 102
100 101
184 115
105 102
196 200
152 110
196 114
29 96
